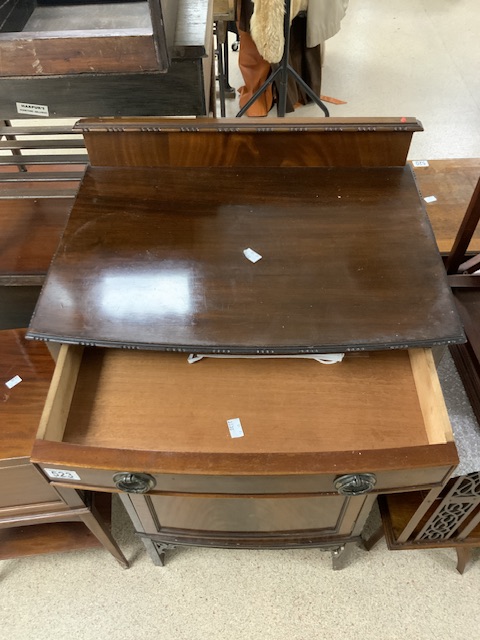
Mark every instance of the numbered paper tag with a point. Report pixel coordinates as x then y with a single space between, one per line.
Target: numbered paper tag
13 382
235 428
430 199
62 474
420 163
32 109
252 255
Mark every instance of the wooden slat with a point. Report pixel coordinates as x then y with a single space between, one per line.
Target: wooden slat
40 130
28 176
57 143
432 403
15 194
43 159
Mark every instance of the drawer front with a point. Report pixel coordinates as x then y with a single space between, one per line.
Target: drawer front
24 485
384 481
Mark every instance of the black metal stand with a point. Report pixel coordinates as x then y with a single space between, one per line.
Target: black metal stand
283 71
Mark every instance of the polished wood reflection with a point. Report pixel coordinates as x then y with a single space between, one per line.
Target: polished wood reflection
154 258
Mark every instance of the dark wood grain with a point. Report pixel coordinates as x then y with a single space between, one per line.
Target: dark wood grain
156 257
452 182
143 142
22 406
30 231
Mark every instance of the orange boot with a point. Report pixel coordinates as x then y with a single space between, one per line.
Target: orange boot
255 70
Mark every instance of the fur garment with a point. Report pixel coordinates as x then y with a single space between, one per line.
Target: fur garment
266 26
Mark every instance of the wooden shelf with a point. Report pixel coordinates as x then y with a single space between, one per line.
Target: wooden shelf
18 542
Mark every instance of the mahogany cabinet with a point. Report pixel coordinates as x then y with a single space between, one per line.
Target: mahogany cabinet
305 473
152 266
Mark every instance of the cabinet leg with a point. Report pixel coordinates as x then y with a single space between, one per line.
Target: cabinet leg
156 550
373 539
341 555
157 556
103 535
463 558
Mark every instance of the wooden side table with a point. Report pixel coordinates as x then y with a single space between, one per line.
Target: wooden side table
35 517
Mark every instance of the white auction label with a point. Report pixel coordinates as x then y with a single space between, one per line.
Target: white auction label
32 109
62 474
13 382
235 428
420 163
252 255
430 199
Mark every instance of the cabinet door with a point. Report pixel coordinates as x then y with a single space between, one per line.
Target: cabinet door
203 516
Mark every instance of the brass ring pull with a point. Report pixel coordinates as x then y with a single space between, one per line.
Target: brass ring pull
355 484
134 482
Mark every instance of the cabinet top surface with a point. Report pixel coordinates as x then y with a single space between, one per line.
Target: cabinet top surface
154 258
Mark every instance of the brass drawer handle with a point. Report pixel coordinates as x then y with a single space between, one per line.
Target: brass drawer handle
134 482
355 484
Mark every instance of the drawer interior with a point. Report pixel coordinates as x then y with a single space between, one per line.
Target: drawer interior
154 401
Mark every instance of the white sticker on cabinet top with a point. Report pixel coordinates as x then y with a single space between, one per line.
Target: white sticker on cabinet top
29 109
13 382
62 474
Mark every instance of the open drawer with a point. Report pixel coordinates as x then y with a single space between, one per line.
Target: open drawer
58 37
376 422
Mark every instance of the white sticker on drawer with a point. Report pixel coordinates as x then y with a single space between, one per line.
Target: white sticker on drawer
420 163
62 474
235 428
13 382
32 109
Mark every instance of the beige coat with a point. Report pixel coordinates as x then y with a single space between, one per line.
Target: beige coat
266 25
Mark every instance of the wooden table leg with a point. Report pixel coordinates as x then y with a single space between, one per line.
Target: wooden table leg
464 555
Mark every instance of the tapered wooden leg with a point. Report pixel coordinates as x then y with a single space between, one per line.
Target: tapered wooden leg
373 539
464 555
157 556
100 530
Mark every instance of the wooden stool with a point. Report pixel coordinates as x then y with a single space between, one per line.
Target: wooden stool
26 497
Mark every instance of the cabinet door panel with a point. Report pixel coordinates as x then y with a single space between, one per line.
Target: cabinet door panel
245 514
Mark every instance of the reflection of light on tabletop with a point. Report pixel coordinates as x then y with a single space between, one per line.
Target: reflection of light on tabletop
126 294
